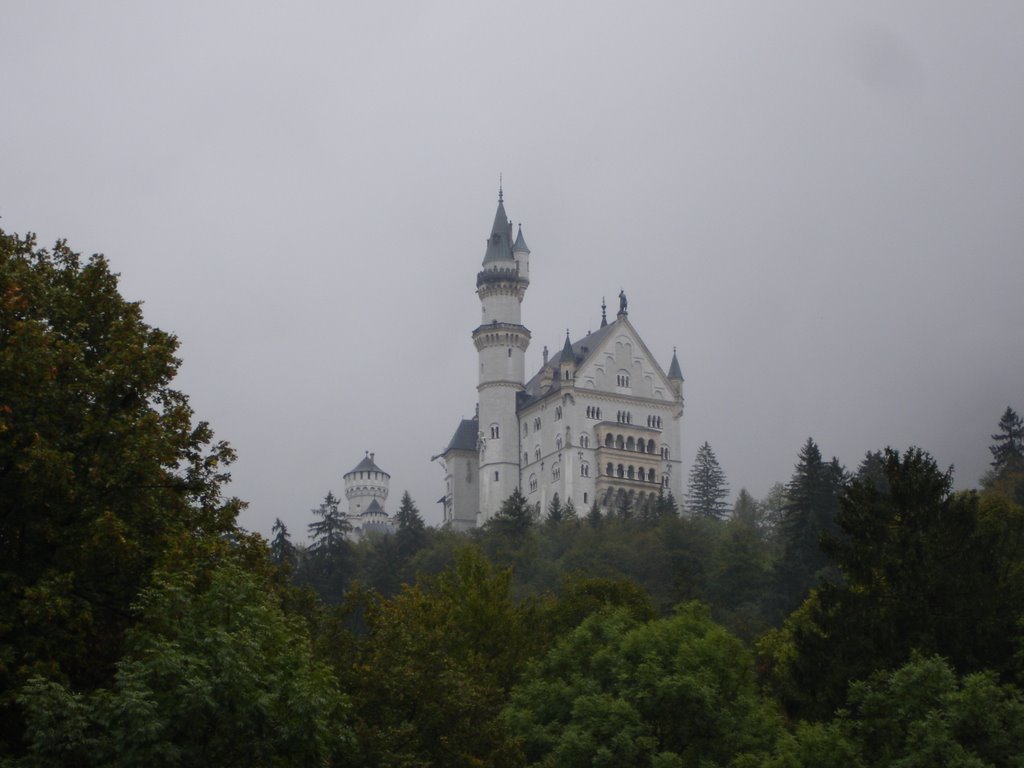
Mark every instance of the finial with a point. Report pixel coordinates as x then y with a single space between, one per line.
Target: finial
500 193
567 333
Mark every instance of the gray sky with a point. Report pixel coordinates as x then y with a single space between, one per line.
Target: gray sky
819 203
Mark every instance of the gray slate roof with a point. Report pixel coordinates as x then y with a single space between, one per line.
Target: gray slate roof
520 244
366 465
674 371
590 343
465 436
374 508
499 244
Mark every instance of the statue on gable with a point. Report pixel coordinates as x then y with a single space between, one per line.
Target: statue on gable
622 302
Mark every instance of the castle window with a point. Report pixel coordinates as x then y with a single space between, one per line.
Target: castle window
630 445
533 483
558 412
584 441
609 441
495 431
536 423
536 452
558 442
620 443
510 351
620 471
664 481
630 473
584 470
650 446
556 471
495 475
526 458
650 475
526 428
584 497
622 379
664 452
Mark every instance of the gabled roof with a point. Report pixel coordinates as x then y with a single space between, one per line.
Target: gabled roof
499 244
465 436
581 350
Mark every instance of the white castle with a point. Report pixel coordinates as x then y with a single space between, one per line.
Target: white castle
600 421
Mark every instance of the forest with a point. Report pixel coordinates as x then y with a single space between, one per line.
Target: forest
855 616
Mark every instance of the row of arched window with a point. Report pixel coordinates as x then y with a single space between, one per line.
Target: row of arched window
622 379
593 412
631 473
624 417
654 422
630 444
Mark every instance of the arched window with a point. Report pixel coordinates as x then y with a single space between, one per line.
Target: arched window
584 470
556 471
558 412
650 475
620 471
533 483
526 458
495 431
609 440
664 452
609 470
584 441
526 428
536 452
630 472
630 444
620 443
536 423
558 442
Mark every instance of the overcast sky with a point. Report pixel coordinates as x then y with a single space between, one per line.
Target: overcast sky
821 204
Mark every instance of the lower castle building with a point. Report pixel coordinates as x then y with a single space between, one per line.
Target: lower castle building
600 421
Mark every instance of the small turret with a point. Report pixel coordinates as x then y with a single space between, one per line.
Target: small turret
675 374
567 361
521 253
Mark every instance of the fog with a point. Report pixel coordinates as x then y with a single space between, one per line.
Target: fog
819 204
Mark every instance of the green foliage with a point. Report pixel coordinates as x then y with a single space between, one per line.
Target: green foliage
1007 473
812 503
707 490
675 691
410 535
430 675
282 551
214 674
923 569
101 466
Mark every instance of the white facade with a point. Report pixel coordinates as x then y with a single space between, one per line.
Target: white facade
599 421
366 489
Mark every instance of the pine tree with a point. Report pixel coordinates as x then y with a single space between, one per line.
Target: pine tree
1008 449
569 513
555 512
594 515
328 533
282 551
411 534
707 489
515 516
746 510
813 494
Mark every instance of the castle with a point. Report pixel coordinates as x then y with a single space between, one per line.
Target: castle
600 422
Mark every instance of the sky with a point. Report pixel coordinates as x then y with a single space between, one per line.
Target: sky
821 205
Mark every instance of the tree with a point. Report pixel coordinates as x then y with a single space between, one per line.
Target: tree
675 691
813 501
922 569
707 489
514 517
569 513
328 533
555 512
746 510
327 565
102 466
1008 448
594 515
411 533
215 674
282 551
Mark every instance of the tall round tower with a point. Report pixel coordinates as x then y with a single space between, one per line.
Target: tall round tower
364 484
501 341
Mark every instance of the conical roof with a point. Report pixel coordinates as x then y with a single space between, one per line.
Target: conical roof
674 371
366 465
499 244
520 244
567 356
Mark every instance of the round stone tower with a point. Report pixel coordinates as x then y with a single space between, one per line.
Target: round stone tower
364 484
501 341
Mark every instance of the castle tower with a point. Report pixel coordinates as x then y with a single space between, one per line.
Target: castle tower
364 484
501 341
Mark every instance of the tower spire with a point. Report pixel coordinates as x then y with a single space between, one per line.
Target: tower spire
604 313
500 193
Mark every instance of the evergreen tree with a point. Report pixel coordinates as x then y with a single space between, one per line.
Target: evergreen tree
813 494
746 510
515 516
328 533
411 534
1008 448
707 489
594 515
569 513
555 512
282 551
